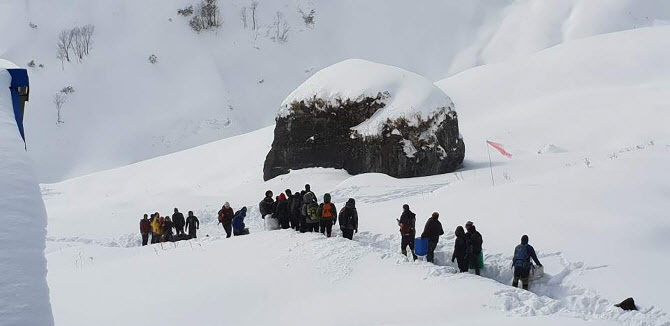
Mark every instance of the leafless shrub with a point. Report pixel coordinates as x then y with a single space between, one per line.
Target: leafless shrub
67 90
153 59
32 25
308 18
185 11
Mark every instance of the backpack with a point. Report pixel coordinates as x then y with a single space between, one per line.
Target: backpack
521 256
327 211
312 211
408 228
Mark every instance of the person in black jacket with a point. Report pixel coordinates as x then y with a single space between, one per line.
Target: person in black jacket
474 243
348 218
407 223
294 210
460 250
178 221
432 231
266 206
281 212
192 224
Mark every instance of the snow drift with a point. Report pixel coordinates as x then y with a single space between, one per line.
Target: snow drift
24 295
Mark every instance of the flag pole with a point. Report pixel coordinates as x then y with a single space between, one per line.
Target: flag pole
493 183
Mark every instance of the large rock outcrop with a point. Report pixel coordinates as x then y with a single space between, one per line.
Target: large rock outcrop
366 117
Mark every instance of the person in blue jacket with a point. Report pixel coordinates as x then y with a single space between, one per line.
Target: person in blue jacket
521 262
238 222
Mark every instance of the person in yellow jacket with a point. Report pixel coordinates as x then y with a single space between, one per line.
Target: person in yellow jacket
155 228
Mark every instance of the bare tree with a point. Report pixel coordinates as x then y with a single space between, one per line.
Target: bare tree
281 28
253 8
207 16
76 41
64 45
87 37
59 99
243 16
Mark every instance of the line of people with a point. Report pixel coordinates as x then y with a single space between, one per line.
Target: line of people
467 246
302 212
160 228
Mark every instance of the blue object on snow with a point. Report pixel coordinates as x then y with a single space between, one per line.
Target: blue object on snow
420 246
19 90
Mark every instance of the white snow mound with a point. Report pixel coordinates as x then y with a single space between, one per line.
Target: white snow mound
24 296
355 79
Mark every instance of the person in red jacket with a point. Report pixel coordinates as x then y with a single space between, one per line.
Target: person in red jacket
145 228
226 215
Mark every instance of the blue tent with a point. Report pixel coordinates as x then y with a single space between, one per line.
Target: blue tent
19 88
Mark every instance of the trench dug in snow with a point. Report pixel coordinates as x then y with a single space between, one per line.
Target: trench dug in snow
548 296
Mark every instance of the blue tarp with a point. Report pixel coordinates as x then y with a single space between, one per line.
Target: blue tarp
19 79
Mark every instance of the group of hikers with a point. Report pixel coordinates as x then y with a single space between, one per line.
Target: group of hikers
467 246
302 212
160 227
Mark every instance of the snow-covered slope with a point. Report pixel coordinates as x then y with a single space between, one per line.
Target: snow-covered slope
209 86
595 211
24 295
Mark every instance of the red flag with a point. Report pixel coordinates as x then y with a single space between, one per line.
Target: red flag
499 148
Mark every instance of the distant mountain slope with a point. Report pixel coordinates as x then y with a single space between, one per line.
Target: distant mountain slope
213 85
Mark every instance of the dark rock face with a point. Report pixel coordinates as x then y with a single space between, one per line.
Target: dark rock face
318 134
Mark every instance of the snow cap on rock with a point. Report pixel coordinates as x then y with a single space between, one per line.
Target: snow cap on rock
409 94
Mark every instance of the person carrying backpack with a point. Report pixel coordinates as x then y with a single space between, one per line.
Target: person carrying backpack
310 209
281 212
192 224
238 222
157 235
178 221
407 223
474 243
226 219
294 210
521 262
349 219
167 229
145 228
460 250
266 206
432 231
327 216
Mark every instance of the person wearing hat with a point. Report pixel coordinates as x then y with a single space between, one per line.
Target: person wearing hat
474 241
226 215
432 231
407 223
521 262
348 218
179 222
